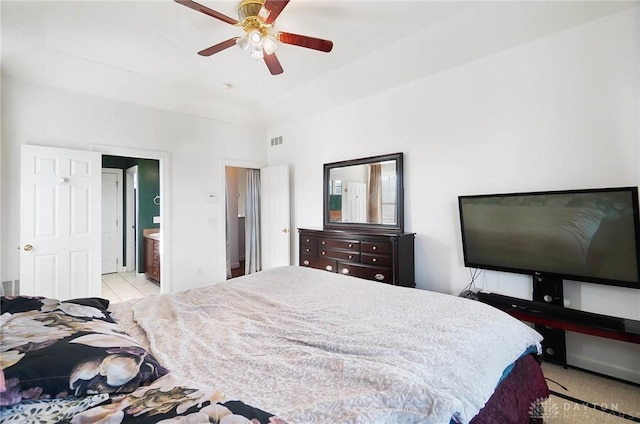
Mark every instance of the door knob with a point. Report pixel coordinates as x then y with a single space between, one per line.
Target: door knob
285 230
28 247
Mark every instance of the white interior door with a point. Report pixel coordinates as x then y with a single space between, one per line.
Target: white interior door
355 206
274 214
111 218
60 222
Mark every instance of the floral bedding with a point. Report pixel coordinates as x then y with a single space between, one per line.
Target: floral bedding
167 400
54 349
70 362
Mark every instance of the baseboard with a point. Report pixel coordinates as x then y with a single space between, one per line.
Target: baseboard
606 369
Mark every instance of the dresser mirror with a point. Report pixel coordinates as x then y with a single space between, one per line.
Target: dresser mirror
364 194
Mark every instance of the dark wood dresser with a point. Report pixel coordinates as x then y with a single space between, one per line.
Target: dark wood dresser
388 258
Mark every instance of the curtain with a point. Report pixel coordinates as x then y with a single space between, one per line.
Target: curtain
227 229
252 223
374 197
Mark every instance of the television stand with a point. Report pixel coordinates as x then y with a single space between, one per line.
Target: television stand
550 290
561 319
552 320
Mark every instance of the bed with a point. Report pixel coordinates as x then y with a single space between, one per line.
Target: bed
286 345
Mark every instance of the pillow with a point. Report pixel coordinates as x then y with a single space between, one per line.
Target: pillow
53 349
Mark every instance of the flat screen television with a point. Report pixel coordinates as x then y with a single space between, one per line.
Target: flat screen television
588 235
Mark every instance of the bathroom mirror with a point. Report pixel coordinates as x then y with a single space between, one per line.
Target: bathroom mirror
364 194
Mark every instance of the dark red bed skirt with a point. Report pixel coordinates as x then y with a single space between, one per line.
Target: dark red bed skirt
517 397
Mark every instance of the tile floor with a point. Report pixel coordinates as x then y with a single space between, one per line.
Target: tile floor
118 287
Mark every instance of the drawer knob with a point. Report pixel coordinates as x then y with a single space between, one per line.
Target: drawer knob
306 262
374 260
345 271
323 252
374 247
324 242
379 277
308 250
308 240
329 268
350 245
350 256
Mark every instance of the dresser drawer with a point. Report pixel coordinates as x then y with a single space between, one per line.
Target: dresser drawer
329 243
319 263
339 254
376 247
369 272
306 240
379 260
308 249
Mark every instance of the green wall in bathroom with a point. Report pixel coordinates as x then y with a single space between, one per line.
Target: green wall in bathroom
148 189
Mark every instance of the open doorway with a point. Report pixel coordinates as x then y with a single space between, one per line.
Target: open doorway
236 183
131 227
264 192
145 180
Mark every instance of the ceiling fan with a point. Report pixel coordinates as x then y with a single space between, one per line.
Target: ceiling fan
257 18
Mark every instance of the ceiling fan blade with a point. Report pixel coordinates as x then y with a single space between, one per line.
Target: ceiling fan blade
305 41
271 9
273 63
204 9
218 47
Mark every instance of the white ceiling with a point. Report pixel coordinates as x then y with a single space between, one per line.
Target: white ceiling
144 51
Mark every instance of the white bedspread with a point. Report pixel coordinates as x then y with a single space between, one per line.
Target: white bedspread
311 346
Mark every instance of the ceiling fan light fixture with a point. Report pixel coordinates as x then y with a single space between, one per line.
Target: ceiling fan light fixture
243 42
256 52
269 44
255 37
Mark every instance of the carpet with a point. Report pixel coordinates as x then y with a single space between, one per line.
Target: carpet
580 397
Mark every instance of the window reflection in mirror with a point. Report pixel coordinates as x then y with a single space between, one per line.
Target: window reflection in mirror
364 193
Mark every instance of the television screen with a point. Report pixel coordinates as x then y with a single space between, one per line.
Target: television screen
584 235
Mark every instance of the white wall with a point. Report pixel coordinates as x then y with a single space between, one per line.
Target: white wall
561 112
196 148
